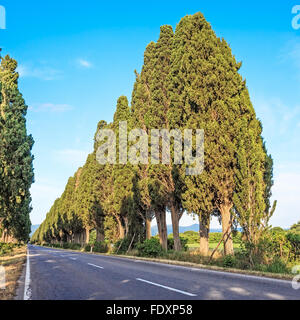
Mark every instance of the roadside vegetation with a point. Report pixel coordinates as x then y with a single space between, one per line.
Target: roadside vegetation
12 258
278 251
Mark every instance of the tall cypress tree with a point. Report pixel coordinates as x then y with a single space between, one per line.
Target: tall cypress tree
254 180
16 160
141 104
87 206
165 185
123 173
205 93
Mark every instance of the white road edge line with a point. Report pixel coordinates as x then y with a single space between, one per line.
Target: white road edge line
168 288
27 290
93 265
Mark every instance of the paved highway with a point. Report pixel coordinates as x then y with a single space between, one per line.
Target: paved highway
62 275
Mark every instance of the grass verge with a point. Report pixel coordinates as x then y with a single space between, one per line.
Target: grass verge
13 264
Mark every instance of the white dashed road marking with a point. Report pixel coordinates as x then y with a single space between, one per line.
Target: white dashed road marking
93 265
27 290
168 288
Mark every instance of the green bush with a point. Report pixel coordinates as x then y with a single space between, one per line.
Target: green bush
150 248
122 245
277 266
294 240
229 261
191 237
6 248
75 246
87 248
183 241
100 247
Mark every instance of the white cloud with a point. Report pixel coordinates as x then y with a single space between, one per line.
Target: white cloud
45 73
50 107
84 63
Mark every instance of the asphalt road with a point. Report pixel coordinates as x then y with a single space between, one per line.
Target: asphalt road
63 275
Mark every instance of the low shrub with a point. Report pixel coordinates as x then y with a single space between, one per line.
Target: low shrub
87 248
6 248
277 266
121 246
100 247
150 248
229 261
183 241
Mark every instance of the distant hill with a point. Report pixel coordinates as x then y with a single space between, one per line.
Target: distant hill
194 227
33 229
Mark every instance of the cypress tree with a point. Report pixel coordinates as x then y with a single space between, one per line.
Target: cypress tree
123 173
254 180
87 205
141 102
205 93
164 183
16 160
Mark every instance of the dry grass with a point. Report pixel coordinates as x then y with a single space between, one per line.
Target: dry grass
13 264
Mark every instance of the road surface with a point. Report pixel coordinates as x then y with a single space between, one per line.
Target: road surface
62 275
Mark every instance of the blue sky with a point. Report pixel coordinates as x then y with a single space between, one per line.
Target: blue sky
76 58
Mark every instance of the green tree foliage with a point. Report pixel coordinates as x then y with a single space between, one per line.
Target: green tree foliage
205 92
16 160
189 80
295 227
123 177
146 191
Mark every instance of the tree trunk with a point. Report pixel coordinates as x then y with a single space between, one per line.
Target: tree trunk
126 224
121 228
82 237
175 224
226 221
162 229
100 236
87 235
204 225
148 228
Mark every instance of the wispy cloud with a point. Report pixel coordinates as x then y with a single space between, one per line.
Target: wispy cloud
50 107
84 63
45 73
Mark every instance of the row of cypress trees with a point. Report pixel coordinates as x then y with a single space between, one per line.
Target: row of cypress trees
189 80
16 160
